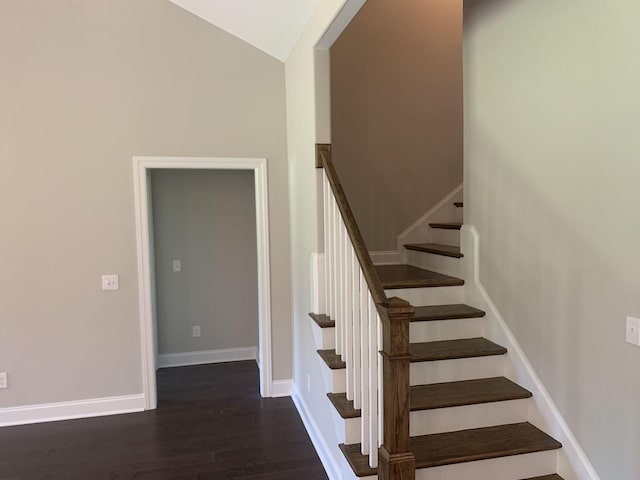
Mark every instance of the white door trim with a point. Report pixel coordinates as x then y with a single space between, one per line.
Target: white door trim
141 167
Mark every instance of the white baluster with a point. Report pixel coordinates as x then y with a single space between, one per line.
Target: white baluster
327 246
348 319
335 277
380 393
364 362
355 276
373 385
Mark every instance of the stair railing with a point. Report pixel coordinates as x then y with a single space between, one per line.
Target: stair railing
372 333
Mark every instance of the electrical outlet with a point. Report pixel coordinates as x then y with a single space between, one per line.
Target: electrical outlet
196 331
110 282
4 381
177 265
633 330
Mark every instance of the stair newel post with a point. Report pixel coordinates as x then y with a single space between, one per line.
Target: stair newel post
395 459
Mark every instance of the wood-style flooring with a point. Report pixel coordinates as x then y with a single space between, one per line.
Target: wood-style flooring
211 423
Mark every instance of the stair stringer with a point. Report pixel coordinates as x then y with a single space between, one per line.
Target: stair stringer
421 232
572 463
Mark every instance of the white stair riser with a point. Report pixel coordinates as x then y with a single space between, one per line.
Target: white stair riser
440 371
437 263
444 236
470 416
429 296
505 468
335 379
425 422
347 429
446 329
324 338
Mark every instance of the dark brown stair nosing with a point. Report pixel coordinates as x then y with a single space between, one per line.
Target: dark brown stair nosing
446 312
408 276
458 204
333 361
465 446
436 249
433 351
446 226
555 476
445 395
343 406
322 320
454 349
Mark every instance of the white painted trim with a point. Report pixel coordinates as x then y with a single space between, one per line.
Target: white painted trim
281 388
53 412
573 463
322 449
203 357
339 24
141 165
388 257
424 220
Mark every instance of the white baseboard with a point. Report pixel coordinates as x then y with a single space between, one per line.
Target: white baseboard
207 356
573 464
389 257
322 449
281 388
52 412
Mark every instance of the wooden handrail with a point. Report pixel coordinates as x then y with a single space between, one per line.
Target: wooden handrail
395 459
323 160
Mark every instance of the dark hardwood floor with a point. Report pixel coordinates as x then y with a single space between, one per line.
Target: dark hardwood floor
211 423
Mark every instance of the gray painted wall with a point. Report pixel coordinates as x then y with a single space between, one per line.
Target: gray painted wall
207 220
396 112
84 87
551 182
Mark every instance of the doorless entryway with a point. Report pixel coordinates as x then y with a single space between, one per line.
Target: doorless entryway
142 167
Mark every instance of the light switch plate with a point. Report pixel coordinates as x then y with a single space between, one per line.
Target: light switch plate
177 265
633 330
4 382
110 282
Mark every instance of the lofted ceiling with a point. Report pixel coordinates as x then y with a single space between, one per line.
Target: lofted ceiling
273 26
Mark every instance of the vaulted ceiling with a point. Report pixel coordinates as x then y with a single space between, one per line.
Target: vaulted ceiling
273 26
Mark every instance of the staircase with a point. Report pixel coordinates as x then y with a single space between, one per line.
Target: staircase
466 420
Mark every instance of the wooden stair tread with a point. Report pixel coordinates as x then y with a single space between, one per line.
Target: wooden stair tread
446 312
408 276
444 395
432 351
333 361
446 226
459 204
547 477
468 392
464 446
453 349
343 406
436 248
323 321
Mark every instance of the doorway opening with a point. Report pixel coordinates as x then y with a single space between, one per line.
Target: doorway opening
150 358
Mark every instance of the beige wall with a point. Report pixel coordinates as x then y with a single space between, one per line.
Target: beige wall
85 86
207 220
396 112
551 183
302 79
